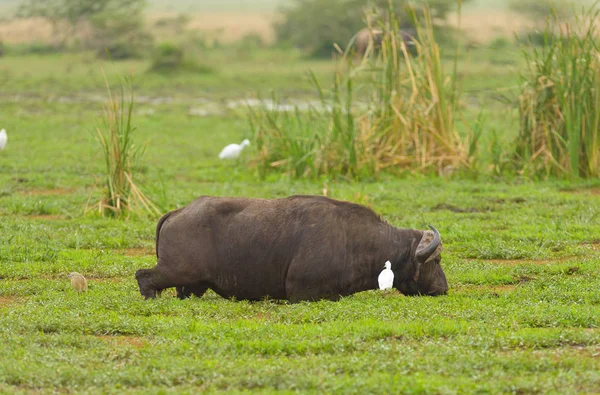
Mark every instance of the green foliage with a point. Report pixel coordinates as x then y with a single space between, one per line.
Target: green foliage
120 36
75 12
560 103
116 26
316 25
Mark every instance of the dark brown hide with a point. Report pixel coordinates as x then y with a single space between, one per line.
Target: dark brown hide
373 36
295 248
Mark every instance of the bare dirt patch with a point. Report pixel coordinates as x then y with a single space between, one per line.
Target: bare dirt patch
46 217
48 192
7 300
502 288
560 352
516 262
491 289
591 191
104 279
137 342
455 209
139 251
523 278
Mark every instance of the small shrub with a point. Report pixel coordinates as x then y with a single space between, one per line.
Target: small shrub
499 43
251 41
559 104
120 50
119 37
169 58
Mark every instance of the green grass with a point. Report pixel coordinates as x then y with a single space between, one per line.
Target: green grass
521 257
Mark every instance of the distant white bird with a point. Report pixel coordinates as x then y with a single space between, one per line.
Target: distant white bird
386 277
3 138
232 151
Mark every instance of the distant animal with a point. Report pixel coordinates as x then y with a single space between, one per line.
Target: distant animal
374 36
299 248
366 37
78 282
3 139
386 277
233 151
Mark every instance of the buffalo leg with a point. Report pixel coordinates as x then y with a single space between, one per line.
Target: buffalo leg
186 291
153 281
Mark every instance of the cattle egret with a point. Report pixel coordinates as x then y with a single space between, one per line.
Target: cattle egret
232 151
78 282
3 138
386 277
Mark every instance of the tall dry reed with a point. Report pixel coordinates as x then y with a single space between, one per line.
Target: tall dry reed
121 156
388 110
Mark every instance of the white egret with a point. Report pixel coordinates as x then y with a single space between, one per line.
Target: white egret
3 138
386 277
232 151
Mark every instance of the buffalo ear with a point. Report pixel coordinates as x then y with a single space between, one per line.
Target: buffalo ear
429 248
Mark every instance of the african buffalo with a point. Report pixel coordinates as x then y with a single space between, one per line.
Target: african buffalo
374 36
295 248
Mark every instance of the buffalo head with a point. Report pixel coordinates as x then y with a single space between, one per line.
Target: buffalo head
428 278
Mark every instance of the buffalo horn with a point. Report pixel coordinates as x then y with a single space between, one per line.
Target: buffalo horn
425 252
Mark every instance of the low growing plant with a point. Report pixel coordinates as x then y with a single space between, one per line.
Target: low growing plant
170 58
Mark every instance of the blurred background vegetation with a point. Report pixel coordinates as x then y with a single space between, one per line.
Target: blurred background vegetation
470 89
130 28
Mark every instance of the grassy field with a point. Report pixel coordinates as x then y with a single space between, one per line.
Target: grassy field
521 257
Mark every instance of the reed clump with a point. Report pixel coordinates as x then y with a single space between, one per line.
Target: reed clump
393 109
559 102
